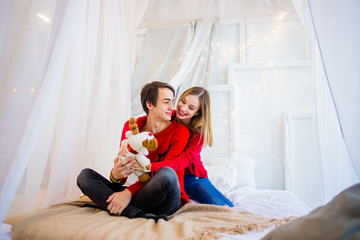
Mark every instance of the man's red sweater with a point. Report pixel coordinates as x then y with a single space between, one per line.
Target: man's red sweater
171 143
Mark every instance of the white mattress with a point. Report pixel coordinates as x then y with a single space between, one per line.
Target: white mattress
268 203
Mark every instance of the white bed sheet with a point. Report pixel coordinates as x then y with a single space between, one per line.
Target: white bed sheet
268 203
5 231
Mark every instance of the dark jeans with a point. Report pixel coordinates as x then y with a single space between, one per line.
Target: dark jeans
203 191
161 195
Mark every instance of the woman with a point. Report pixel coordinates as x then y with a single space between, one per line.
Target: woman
193 111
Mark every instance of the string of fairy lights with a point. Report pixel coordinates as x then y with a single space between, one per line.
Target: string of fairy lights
221 55
268 90
218 55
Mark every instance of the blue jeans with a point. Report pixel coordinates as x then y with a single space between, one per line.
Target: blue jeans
203 191
161 195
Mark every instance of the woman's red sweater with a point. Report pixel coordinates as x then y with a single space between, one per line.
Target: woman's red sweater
190 158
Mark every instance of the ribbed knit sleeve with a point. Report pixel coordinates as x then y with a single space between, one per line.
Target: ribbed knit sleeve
191 154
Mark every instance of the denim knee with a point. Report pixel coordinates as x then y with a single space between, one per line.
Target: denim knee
168 176
83 178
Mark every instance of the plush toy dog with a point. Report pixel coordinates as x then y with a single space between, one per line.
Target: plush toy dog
139 145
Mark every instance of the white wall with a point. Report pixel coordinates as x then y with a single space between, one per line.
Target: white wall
301 165
269 79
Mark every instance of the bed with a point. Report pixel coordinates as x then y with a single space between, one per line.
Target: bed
338 219
255 213
62 221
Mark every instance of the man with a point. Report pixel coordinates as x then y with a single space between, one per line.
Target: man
162 195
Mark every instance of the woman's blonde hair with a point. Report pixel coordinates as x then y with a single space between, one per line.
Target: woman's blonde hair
201 122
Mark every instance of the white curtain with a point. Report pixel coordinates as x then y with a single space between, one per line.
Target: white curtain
195 68
174 54
334 40
55 57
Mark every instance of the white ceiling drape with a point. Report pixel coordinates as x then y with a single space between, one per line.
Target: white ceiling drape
171 54
329 26
65 68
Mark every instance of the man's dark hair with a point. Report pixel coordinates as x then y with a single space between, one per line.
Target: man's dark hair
150 93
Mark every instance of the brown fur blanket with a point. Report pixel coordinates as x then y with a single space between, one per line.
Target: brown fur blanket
73 220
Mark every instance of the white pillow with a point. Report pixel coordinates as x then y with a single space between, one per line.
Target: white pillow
222 177
245 170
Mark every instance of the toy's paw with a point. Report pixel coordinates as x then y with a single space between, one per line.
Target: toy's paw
144 177
148 167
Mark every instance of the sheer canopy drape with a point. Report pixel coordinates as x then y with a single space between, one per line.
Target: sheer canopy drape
172 54
55 57
335 59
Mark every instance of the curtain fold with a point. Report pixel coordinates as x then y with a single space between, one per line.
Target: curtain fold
65 82
68 144
29 137
202 34
174 63
333 40
201 68
159 63
339 50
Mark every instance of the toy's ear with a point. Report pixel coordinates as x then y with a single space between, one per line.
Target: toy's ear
133 126
151 144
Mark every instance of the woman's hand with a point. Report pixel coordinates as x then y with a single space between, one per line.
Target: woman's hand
118 201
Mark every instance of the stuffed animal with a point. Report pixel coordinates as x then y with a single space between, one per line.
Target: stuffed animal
139 145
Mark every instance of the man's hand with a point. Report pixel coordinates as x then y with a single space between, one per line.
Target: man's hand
119 201
123 168
123 148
